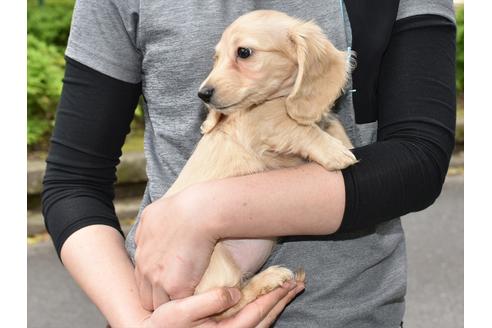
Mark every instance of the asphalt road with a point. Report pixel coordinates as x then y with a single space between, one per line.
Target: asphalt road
435 261
435 275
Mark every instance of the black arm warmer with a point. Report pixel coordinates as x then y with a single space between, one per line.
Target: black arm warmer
405 170
92 120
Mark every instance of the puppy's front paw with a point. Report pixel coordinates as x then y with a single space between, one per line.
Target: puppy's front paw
206 127
210 122
337 157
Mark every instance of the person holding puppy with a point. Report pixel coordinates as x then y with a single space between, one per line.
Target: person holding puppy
342 227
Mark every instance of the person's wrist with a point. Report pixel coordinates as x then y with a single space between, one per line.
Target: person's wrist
137 319
204 207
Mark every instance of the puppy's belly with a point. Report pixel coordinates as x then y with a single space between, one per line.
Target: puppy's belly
249 254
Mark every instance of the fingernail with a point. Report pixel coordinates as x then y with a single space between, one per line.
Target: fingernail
289 285
235 294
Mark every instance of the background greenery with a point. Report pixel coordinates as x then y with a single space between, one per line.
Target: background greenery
460 53
47 33
48 27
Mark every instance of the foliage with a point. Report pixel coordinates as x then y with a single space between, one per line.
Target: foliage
460 53
51 22
45 71
48 27
47 33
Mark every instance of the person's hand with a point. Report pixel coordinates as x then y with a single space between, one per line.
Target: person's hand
196 311
173 250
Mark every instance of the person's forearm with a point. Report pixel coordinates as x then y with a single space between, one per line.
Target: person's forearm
306 200
96 258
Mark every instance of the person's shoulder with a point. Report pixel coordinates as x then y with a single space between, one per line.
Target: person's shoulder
409 8
104 37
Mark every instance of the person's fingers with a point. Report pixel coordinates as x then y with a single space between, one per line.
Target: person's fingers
144 291
204 305
159 296
253 313
279 307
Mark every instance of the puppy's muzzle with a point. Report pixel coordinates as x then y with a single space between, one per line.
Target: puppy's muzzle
206 93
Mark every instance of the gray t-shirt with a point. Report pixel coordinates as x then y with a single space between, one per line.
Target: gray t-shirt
352 282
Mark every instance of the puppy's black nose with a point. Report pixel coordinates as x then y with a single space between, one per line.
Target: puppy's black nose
206 93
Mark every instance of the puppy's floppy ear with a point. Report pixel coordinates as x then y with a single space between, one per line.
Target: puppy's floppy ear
321 75
211 121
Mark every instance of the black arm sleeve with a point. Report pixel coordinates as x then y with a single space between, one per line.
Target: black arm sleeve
405 169
92 120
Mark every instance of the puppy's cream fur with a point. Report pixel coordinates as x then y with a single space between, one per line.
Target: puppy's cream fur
263 116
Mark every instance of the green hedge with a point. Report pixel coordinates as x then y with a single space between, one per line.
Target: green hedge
45 71
48 27
51 22
460 53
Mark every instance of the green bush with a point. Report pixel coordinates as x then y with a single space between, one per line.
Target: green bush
48 27
51 22
45 66
460 53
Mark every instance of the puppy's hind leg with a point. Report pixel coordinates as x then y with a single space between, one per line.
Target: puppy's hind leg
261 284
222 271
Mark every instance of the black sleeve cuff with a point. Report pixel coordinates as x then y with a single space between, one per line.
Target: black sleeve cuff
71 214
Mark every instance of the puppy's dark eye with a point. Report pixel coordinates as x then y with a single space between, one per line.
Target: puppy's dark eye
244 52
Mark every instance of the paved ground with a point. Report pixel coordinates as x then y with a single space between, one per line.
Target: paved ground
435 286
53 299
435 260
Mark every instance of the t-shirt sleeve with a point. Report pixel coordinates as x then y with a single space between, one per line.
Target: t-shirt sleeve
103 36
409 8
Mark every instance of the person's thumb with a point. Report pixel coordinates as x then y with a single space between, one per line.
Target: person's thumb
225 298
212 302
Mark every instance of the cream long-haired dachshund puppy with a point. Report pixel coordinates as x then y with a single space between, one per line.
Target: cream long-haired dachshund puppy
274 78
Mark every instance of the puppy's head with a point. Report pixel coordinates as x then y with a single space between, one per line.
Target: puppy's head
265 55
